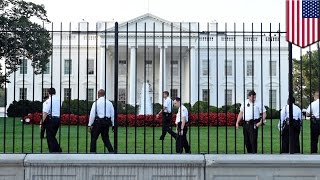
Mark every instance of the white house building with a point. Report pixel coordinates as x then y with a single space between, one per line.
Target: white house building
218 67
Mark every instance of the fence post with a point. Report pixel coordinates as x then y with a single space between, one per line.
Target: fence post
291 146
116 51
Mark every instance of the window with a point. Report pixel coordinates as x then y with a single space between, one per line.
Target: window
90 66
47 70
90 94
67 94
273 68
228 68
148 68
67 66
45 92
24 66
23 94
250 70
205 70
205 95
228 96
174 93
122 67
175 68
272 99
122 96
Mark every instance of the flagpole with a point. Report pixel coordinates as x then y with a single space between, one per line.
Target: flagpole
291 146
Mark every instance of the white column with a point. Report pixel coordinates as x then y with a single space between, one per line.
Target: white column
132 76
102 68
194 76
162 73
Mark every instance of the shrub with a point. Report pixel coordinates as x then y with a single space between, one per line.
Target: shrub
23 107
272 113
131 120
77 107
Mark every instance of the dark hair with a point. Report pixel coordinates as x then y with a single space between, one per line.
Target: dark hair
293 100
251 93
166 92
52 91
45 97
178 99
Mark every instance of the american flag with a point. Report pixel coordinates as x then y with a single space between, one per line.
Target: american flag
303 22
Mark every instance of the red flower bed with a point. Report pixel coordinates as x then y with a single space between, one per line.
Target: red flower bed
131 120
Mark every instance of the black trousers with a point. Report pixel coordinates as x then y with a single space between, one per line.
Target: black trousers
181 141
166 125
100 126
52 125
290 138
315 131
250 133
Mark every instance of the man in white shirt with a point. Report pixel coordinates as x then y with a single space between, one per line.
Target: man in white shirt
290 133
51 120
250 112
166 116
313 112
101 118
181 127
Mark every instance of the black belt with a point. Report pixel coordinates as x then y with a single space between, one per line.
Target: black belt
104 118
251 121
166 113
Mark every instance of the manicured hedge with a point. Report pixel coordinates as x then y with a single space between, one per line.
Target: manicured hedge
131 120
23 107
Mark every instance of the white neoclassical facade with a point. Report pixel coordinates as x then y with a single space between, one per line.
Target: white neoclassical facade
215 67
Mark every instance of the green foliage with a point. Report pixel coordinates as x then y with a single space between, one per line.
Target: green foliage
306 78
2 98
272 113
78 107
235 108
24 39
23 107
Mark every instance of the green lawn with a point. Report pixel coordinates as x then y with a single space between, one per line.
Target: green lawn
142 140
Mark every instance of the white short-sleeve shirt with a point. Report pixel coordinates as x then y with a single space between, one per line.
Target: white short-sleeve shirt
297 115
168 104
55 109
101 108
182 112
314 109
252 110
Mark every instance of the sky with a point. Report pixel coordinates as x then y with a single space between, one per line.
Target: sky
202 11
173 10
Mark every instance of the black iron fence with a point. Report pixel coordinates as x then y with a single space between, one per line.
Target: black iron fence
211 69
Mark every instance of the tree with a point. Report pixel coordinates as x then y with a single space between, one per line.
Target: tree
21 37
306 77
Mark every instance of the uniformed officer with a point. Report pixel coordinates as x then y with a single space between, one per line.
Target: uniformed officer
290 133
181 127
166 116
251 111
51 120
313 113
42 131
101 118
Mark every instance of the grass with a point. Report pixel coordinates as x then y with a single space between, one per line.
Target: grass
16 137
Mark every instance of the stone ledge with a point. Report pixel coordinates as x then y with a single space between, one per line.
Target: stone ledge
12 159
194 160
294 160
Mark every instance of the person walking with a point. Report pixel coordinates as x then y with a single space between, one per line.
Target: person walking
254 114
100 120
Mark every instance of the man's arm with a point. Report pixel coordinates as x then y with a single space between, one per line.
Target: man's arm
240 116
112 113
92 114
183 123
308 113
